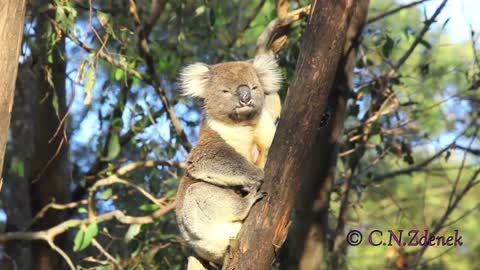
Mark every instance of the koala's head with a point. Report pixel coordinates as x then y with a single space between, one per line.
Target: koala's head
232 91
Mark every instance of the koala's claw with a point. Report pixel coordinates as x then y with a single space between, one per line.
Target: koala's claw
258 185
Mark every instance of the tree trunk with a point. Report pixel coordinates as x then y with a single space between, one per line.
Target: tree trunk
51 170
19 154
266 227
12 13
308 242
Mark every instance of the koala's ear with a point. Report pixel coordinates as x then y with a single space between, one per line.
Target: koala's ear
268 72
193 79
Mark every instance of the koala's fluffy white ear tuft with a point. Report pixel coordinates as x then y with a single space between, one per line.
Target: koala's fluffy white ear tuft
268 72
193 79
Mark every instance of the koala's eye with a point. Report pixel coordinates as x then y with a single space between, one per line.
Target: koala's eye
225 91
255 87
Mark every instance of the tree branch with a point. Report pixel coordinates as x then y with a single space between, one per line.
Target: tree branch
249 21
437 226
143 46
419 37
66 225
395 10
274 29
411 169
472 151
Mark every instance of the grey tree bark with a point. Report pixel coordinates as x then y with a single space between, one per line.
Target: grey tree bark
12 13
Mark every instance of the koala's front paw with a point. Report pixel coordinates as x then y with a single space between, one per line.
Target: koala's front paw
257 196
253 182
262 195
253 186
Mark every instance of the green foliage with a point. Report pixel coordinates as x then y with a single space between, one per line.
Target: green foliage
65 14
17 167
85 236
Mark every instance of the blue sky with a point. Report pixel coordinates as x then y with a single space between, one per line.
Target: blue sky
462 14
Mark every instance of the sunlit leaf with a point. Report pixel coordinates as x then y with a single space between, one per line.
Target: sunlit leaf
107 193
113 147
148 207
89 84
84 237
132 231
199 10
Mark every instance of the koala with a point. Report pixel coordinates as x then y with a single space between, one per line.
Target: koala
225 169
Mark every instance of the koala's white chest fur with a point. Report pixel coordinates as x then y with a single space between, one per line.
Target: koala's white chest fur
241 138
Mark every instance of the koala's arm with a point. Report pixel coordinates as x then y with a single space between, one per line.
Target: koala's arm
265 130
222 165
273 105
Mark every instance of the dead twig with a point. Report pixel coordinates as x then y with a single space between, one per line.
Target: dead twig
274 28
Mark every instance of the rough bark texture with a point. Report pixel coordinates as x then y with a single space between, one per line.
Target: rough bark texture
12 13
308 243
266 227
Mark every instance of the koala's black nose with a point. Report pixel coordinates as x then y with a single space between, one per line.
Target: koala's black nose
245 94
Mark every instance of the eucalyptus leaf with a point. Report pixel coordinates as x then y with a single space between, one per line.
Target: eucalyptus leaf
113 147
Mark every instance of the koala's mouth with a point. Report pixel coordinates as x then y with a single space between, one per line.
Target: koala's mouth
242 113
244 110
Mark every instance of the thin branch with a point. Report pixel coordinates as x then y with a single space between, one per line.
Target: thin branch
473 181
472 151
105 253
143 46
99 165
393 11
411 169
462 165
120 216
115 179
339 237
421 165
156 10
62 253
419 37
385 92
246 25
462 216
107 58
151 79
58 206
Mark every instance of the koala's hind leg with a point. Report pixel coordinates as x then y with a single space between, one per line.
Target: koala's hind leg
212 216
215 203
